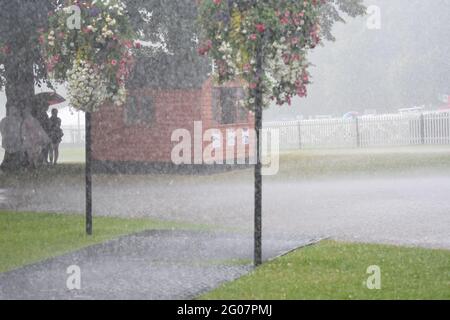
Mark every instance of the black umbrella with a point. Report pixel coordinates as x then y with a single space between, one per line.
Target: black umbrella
49 98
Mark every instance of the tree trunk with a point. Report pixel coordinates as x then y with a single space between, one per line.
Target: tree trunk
19 89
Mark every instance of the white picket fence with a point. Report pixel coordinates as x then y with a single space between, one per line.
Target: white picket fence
363 132
73 135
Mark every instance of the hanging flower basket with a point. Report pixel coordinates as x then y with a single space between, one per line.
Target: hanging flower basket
284 31
95 59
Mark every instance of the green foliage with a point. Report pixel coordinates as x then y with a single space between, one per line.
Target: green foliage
19 25
332 11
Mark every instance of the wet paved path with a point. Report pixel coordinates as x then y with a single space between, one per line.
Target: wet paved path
149 265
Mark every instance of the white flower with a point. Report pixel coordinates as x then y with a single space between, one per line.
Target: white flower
81 82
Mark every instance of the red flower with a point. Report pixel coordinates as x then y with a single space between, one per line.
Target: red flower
128 44
6 49
202 51
260 27
205 48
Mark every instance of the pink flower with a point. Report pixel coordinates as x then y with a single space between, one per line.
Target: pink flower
260 27
253 36
128 44
205 48
114 62
217 2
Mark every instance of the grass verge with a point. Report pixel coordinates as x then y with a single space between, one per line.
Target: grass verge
27 238
316 163
333 270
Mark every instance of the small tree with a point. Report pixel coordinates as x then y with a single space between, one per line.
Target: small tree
21 65
89 45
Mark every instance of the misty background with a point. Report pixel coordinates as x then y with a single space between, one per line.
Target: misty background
403 64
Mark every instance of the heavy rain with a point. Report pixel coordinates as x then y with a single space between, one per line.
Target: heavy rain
212 149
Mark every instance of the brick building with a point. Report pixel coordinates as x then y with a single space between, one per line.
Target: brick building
138 136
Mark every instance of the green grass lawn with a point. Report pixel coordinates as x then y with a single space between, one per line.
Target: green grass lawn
333 270
317 163
67 154
301 164
26 238
72 154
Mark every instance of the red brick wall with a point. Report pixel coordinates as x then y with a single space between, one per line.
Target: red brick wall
114 141
211 123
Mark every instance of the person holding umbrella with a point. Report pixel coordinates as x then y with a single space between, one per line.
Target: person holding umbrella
50 125
56 134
